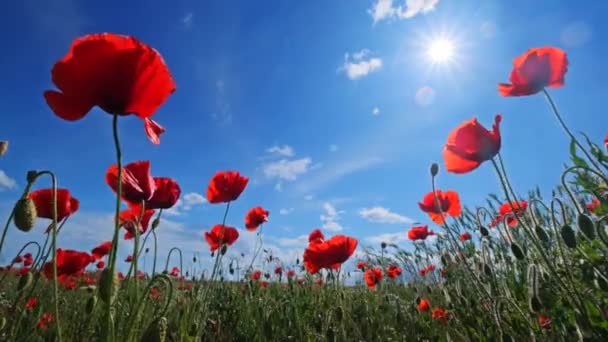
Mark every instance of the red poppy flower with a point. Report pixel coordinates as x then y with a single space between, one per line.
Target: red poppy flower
424 305
43 200
141 275
100 264
470 144
23 270
510 212
544 321
449 204
534 70
226 186
18 259
220 235
290 273
430 267
154 293
166 194
465 236
316 236
263 284
320 281
362 265
129 219
117 73
129 258
440 314
102 250
174 272
393 271
69 263
31 303
256 275
595 203
45 320
372 277
88 280
300 281
278 270
423 272
137 183
121 276
419 233
255 217
329 254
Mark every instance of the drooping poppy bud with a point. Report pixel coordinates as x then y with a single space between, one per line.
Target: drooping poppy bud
434 169
25 214
517 251
568 236
541 234
585 224
3 147
108 285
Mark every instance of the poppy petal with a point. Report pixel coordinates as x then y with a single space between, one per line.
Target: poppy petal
65 107
153 130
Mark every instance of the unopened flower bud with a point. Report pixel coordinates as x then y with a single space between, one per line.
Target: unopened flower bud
3 147
517 251
25 214
585 224
568 236
31 176
541 234
224 249
383 245
434 169
91 302
25 281
484 231
155 223
108 286
535 304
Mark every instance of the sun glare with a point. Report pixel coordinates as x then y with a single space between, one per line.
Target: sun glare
441 50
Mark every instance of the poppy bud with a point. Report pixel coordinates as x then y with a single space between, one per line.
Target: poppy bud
484 231
383 245
585 224
147 250
534 304
3 147
156 222
297 261
193 331
541 234
568 236
156 331
339 314
231 271
224 249
2 323
487 270
602 284
193 259
517 251
108 286
91 302
31 176
434 169
25 214
25 281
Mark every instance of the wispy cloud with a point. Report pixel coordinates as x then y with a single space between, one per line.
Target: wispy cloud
285 169
333 148
376 111
285 150
336 171
285 211
186 203
6 182
360 64
330 218
386 9
388 238
383 215
61 19
187 20
223 114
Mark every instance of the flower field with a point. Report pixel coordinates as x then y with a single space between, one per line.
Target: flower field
519 268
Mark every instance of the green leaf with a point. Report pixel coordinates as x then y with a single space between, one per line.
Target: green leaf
578 161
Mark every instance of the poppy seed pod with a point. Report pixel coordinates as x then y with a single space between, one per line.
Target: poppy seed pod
25 214
25 281
3 147
434 169
568 236
91 302
585 224
517 251
541 234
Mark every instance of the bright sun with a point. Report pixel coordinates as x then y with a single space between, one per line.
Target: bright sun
441 50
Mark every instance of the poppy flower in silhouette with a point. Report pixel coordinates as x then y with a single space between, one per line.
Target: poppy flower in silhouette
43 200
117 73
362 265
419 233
256 275
372 277
137 183
129 258
440 314
130 220
393 271
424 305
226 186
510 213
220 235
465 236
100 264
278 270
595 203
166 194
102 250
255 217
316 236
448 203
70 263
471 144
329 253
536 69
174 272
28 260
290 273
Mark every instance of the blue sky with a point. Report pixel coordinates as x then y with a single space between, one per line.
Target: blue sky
332 108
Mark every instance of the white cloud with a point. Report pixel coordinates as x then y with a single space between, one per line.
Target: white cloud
187 20
333 148
285 150
288 170
6 182
300 241
336 172
360 64
376 111
383 215
425 96
385 9
330 218
576 34
285 211
388 238
186 203
308 197
278 187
